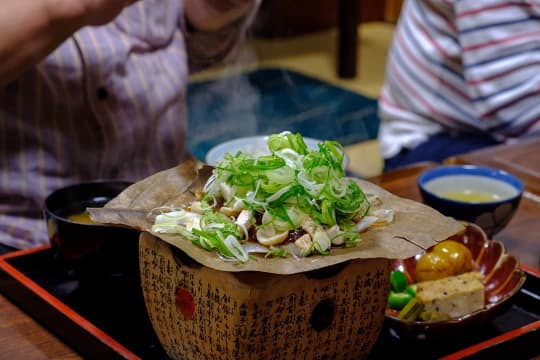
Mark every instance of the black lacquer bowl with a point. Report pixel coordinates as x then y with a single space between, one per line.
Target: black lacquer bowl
80 243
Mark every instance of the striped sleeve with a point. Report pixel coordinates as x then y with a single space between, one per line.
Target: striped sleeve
501 63
462 65
424 90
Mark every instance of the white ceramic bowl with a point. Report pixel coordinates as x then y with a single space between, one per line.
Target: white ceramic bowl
254 145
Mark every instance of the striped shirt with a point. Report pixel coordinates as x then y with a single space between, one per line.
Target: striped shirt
462 65
108 103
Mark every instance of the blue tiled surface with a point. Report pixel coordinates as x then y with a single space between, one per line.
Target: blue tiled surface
272 100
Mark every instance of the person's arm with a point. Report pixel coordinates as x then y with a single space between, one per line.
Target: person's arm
31 29
501 65
214 28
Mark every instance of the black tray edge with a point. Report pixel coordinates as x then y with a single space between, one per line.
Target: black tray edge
92 342
76 331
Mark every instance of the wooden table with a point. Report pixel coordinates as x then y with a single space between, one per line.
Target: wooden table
521 159
23 338
521 236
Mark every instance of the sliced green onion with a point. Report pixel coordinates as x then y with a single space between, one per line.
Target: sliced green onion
236 248
290 186
276 252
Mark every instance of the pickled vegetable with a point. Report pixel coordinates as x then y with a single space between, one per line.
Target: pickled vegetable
433 266
411 310
398 281
460 256
411 289
398 300
447 258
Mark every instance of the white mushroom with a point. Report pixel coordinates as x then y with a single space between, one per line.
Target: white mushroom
321 240
244 221
226 191
303 243
193 222
234 210
336 235
268 236
238 204
196 207
310 226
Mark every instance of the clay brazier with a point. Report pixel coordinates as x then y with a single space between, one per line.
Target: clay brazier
201 313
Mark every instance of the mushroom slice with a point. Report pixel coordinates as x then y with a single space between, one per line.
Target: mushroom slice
268 235
193 222
310 226
303 244
244 221
196 207
226 191
322 241
336 235
234 209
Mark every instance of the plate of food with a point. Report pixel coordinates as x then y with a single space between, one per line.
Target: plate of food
292 207
454 286
283 233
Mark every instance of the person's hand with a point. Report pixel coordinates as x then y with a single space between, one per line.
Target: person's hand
31 29
211 15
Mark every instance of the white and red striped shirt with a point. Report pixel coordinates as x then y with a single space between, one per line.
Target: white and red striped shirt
462 65
107 103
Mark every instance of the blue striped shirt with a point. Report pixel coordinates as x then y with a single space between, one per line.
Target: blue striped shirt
109 102
462 65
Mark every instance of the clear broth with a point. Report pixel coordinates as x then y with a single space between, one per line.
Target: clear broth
81 218
471 196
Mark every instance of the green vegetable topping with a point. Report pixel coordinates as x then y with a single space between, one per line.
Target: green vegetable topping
398 281
263 200
277 252
293 175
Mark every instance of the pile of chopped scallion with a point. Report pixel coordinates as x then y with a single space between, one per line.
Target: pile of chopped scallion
295 201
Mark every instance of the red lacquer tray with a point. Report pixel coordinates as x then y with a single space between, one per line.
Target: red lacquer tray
101 313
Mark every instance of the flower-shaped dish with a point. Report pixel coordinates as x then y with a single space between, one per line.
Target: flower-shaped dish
503 279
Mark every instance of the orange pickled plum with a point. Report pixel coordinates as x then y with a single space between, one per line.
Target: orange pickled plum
460 256
432 266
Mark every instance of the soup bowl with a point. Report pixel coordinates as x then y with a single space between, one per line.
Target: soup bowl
75 239
481 195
